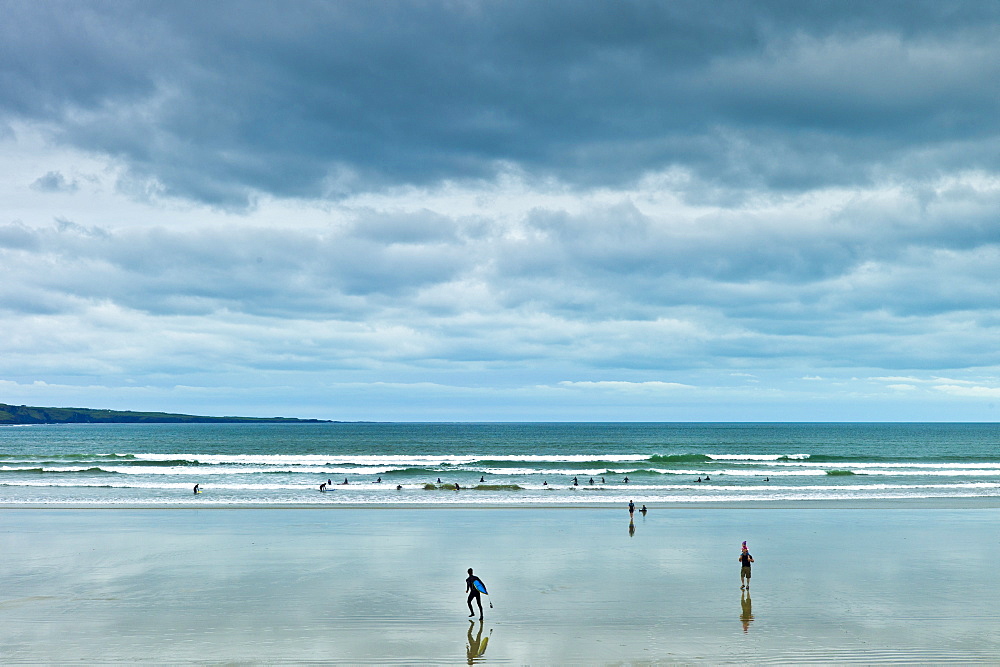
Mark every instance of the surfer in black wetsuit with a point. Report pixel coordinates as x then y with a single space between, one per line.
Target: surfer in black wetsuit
197 488
470 587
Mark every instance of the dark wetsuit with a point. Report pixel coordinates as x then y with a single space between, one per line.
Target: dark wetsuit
474 593
470 584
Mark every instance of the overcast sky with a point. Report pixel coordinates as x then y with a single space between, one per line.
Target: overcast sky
506 210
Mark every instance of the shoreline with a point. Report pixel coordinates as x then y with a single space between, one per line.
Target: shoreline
979 502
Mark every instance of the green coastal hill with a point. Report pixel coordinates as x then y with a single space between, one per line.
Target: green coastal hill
24 414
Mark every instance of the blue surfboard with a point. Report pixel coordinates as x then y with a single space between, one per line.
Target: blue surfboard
480 586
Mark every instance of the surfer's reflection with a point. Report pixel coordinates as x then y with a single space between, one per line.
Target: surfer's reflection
631 528
477 645
746 612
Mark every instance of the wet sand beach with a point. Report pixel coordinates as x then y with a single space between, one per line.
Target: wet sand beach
574 585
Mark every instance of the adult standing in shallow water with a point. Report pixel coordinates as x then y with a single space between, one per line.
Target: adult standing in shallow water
473 591
745 558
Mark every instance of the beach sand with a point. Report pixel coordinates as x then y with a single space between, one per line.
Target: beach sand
830 585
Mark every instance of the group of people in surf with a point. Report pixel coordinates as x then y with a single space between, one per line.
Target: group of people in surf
328 483
576 481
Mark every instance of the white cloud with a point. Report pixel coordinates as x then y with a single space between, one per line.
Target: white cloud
621 386
966 391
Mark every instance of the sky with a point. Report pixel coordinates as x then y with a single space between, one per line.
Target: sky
502 211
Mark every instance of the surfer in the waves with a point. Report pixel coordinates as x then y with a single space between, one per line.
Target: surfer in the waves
473 591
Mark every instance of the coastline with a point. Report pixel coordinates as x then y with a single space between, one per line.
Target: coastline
972 502
838 584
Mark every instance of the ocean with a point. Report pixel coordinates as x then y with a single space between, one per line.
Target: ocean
494 464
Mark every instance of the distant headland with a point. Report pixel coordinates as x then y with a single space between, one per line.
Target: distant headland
24 414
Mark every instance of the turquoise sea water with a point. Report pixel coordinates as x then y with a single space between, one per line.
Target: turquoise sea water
495 464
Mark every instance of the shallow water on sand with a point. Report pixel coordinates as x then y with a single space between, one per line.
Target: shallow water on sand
568 585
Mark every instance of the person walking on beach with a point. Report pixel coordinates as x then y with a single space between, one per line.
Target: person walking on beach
745 558
473 591
631 508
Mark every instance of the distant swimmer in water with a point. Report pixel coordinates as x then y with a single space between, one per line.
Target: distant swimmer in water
482 479
344 482
698 480
322 487
602 480
439 480
545 483
631 508
399 487
767 479
457 487
591 480
707 478
378 481
329 482
197 488
644 510
576 482
626 480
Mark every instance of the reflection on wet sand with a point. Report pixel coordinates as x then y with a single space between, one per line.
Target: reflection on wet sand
746 609
476 645
631 528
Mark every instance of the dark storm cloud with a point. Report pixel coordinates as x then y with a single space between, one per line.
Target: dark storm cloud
222 101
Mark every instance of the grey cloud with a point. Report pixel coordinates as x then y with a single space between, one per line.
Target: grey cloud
54 182
218 102
263 272
17 236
